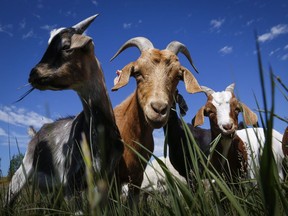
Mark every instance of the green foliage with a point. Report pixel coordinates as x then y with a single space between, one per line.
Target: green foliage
15 163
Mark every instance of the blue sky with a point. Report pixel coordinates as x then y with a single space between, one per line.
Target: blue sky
218 34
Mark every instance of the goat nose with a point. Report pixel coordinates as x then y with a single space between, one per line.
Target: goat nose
33 75
228 126
159 107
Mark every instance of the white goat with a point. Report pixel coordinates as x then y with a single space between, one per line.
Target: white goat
54 154
154 176
237 148
157 73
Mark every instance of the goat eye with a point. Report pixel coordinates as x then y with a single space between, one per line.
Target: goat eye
237 110
137 74
66 47
179 77
208 112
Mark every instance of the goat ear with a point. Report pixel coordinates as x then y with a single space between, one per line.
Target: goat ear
79 41
250 118
199 117
123 77
190 81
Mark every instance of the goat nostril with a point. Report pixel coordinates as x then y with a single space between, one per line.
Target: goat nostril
159 107
228 126
33 74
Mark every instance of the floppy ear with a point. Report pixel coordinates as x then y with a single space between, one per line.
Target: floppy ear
79 41
199 117
250 118
190 81
124 77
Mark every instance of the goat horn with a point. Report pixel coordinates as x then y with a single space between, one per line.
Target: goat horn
230 88
83 25
207 90
141 43
176 47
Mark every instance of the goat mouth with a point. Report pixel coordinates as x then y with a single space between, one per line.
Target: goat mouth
228 134
46 84
156 123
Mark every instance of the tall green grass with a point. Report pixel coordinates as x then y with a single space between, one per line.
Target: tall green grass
267 196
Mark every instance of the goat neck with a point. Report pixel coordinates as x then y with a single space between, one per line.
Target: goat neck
130 117
98 113
93 94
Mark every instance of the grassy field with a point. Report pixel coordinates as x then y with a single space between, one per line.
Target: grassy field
265 195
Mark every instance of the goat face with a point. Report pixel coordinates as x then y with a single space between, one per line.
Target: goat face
56 71
157 73
223 108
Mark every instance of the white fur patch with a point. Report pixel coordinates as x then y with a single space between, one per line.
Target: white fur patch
221 101
254 140
53 33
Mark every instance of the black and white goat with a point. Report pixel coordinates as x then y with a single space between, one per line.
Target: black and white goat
54 154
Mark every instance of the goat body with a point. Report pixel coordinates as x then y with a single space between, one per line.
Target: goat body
54 154
154 176
254 140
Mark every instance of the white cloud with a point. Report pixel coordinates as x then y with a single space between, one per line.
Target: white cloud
29 34
286 47
3 132
4 29
22 117
94 2
22 24
226 50
216 24
285 57
37 16
127 25
275 31
40 4
250 22
48 27
274 51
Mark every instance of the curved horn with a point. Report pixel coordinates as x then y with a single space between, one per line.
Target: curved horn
176 47
83 25
141 43
207 90
230 88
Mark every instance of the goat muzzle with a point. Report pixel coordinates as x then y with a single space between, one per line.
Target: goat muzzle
159 107
157 113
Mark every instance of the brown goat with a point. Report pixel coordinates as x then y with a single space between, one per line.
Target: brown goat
238 152
157 73
223 108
